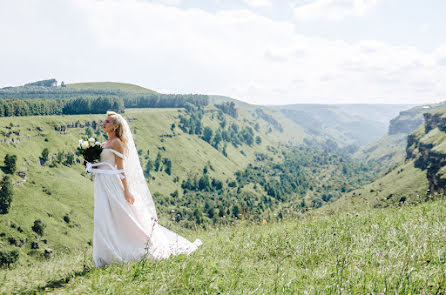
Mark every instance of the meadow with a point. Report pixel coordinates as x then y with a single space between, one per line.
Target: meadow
396 250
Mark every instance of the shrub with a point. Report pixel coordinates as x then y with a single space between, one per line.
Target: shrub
69 160
8 257
38 227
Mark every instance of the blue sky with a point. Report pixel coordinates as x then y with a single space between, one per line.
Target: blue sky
258 51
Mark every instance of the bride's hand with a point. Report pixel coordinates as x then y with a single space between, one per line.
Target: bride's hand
129 197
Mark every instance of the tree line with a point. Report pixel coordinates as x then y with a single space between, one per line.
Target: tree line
39 100
80 105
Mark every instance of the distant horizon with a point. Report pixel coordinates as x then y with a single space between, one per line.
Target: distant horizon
258 51
223 95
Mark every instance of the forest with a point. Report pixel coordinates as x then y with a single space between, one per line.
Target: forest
43 98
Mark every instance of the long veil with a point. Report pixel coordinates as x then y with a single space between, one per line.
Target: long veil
161 242
135 179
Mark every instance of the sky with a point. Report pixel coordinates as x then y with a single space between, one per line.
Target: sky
257 51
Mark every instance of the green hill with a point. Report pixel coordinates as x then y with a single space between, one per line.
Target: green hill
111 86
247 170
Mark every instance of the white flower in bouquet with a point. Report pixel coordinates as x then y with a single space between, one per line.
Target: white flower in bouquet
84 144
80 142
97 143
91 140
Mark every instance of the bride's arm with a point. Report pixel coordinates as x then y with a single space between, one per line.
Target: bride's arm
120 166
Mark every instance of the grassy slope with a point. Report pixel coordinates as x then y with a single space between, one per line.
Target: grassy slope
51 193
403 181
392 250
389 150
111 85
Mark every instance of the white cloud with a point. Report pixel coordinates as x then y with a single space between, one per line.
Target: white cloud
258 3
332 9
167 2
234 53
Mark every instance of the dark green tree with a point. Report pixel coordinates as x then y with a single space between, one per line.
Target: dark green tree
198 215
10 163
207 134
235 210
44 156
225 153
158 162
258 140
168 167
8 257
203 183
149 167
6 194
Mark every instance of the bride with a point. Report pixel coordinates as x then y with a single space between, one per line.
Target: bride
126 227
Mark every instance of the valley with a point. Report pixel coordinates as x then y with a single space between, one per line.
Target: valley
272 181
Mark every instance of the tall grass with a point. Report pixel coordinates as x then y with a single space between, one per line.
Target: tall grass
392 251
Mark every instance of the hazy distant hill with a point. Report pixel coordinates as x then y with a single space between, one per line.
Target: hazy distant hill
420 177
345 124
390 148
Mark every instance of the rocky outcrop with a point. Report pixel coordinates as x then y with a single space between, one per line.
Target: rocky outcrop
424 153
436 120
406 122
409 120
77 124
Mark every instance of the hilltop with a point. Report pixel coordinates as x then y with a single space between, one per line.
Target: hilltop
111 86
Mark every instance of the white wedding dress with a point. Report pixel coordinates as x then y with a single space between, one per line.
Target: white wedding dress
124 232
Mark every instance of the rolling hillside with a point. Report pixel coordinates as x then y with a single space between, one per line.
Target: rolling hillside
252 174
422 176
245 179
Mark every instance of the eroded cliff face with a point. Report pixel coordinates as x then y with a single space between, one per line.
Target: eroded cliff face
406 123
411 119
427 145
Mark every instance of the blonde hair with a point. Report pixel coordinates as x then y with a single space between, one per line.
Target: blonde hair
119 131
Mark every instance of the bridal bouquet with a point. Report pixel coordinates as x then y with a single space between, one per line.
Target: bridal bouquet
90 149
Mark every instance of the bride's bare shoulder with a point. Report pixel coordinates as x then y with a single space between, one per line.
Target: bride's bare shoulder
117 145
